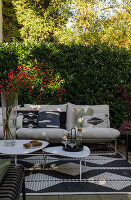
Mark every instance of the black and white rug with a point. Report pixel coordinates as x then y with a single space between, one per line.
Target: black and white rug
101 175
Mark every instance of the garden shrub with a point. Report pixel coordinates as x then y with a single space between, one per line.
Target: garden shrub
91 74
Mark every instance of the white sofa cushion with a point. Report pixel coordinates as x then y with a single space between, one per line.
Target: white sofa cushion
98 109
60 107
48 134
99 133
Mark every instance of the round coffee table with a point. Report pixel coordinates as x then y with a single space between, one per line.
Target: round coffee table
81 155
19 149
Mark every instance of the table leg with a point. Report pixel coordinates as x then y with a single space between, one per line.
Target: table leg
15 159
45 159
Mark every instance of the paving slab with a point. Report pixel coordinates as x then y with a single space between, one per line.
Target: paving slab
114 197
41 197
79 197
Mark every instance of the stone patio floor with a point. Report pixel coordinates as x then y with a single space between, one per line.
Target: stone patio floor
121 149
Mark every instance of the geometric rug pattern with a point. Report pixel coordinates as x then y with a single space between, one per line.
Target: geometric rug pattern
100 174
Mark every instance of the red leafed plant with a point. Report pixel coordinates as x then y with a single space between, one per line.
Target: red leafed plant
125 127
35 81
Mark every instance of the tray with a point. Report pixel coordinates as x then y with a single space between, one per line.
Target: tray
74 149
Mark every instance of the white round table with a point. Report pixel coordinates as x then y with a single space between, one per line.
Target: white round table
19 149
58 150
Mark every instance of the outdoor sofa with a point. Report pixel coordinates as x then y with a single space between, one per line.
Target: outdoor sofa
53 122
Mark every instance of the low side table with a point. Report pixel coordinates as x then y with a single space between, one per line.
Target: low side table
59 151
19 149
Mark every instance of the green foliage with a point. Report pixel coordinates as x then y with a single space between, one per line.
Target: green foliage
36 20
99 21
91 74
10 22
91 21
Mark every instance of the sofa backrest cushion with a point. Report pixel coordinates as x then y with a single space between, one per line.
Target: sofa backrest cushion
97 109
60 107
48 119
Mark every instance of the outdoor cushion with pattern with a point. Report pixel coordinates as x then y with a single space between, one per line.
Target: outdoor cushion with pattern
48 119
99 120
30 118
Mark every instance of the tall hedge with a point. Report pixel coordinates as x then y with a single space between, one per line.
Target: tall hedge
92 73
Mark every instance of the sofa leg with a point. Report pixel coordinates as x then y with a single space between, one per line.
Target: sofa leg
108 144
114 146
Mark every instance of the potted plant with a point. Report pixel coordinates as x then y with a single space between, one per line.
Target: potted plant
126 129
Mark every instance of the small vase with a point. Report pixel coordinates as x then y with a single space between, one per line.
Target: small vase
9 114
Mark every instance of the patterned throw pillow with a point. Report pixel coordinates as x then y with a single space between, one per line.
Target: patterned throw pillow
79 113
30 118
99 120
48 119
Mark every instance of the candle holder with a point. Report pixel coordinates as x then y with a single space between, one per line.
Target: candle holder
73 143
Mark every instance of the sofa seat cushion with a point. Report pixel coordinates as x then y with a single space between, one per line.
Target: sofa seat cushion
47 134
99 133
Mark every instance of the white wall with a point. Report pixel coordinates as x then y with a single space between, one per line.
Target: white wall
1 20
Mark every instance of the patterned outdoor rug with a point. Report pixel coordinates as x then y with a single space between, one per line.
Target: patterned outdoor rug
101 174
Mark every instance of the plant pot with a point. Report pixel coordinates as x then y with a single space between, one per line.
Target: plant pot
9 114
